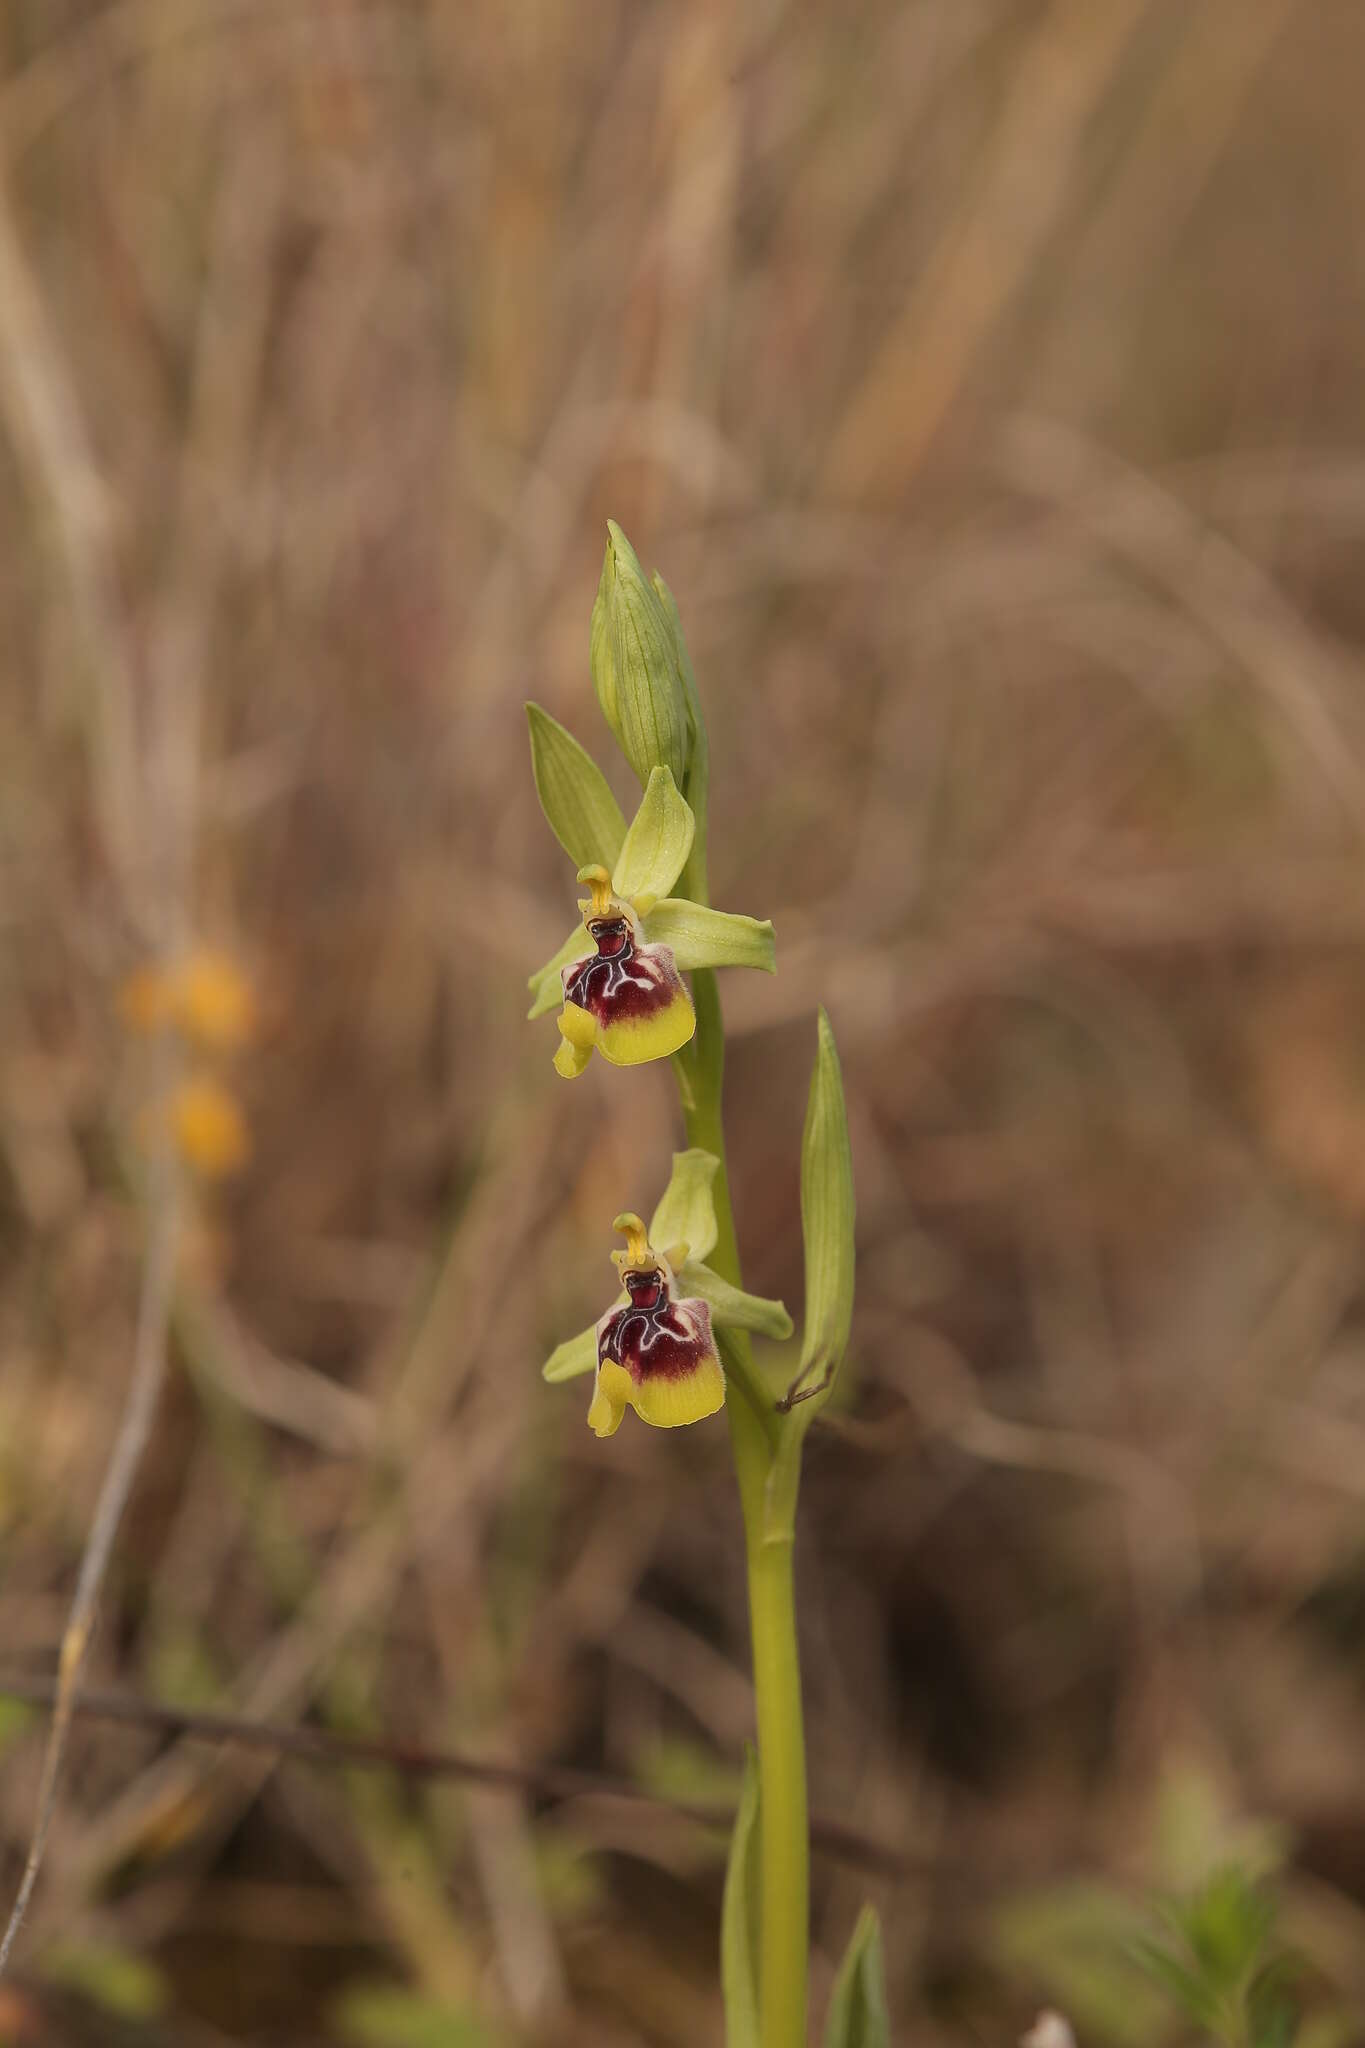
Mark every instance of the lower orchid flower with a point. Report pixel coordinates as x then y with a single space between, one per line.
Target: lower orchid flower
656 1349
656 1353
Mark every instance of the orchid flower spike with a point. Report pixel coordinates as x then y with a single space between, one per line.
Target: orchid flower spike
617 980
656 1349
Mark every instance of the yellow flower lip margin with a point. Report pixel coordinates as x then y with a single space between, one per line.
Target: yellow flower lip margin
621 992
680 1236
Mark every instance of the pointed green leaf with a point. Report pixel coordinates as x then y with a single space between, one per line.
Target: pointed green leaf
636 669
687 1209
574 1356
702 937
545 985
730 1306
827 1217
857 2008
579 807
657 843
739 1918
1197 1999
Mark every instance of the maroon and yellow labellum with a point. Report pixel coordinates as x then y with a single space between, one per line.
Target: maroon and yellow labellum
626 999
655 1353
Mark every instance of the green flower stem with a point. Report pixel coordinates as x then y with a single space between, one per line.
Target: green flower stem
755 1436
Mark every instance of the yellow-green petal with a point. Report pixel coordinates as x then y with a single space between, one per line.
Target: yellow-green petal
687 1209
657 842
730 1306
701 937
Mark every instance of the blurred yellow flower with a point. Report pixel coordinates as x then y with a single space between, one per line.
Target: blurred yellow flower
214 1000
146 1001
208 1127
206 996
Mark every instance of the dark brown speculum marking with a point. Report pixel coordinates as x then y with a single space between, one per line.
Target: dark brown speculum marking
622 979
654 1337
646 1290
612 937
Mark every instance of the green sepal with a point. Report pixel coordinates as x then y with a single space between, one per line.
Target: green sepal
686 1213
731 1307
858 2017
657 843
636 669
578 805
574 1356
545 985
827 1219
741 1918
702 937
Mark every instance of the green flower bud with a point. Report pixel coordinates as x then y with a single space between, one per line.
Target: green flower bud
636 667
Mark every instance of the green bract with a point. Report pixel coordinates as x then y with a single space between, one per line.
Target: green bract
684 1223
583 814
636 670
741 1918
857 2008
827 1218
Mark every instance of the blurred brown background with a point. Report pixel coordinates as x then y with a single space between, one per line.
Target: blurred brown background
985 379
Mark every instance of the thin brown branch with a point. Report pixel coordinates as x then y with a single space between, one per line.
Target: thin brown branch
149 1371
553 1784
39 407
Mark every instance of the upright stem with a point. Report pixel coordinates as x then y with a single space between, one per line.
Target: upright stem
785 1854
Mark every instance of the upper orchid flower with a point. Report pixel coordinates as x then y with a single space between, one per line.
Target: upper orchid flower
655 1349
617 980
627 997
